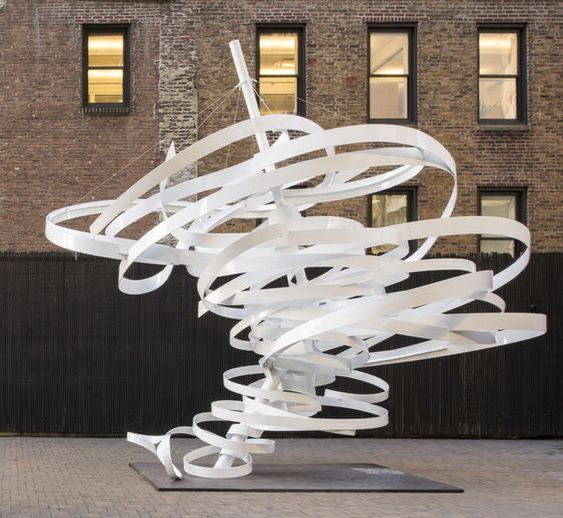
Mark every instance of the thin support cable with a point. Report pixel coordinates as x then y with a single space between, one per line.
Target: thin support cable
221 99
234 121
349 119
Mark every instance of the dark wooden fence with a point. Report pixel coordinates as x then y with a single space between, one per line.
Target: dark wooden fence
78 357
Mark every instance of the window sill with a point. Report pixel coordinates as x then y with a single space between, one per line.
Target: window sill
105 110
504 127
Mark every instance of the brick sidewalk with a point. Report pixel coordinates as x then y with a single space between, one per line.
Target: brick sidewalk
91 477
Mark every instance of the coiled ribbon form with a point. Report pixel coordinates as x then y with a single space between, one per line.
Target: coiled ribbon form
316 326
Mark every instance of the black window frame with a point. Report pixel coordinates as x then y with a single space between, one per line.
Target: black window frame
299 28
411 191
521 194
411 30
122 28
521 77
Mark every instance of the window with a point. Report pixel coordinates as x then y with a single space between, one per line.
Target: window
392 74
106 66
504 204
502 75
391 208
281 69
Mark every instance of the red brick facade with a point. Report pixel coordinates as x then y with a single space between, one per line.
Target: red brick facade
52 154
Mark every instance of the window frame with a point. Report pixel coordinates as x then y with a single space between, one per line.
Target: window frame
411 191
521 77
411 30
122 28
299 28
521 194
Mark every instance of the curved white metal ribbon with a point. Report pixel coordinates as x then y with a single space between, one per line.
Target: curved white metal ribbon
320 324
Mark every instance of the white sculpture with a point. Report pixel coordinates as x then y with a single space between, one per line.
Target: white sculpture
317 327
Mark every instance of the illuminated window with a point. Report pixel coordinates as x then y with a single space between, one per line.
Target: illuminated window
392 74
280 70
391 208
106 66
503 204
502 96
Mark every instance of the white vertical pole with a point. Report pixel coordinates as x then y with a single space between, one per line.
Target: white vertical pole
225 460
247 90
251 105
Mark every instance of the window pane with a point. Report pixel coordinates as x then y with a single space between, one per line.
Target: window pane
105 86
278 54
105 50
388 97
498 53
501 206
498 246
388 209
389 53
497 98
279 94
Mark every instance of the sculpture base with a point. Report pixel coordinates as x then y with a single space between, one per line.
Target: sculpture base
323 478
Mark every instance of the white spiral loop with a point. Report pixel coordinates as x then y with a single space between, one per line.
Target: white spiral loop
331 307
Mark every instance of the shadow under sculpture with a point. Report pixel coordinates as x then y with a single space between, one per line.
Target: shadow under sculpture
318 326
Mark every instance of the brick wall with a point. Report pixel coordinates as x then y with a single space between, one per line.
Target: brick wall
336 68
52 154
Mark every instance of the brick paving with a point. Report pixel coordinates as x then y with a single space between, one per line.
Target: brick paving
75 477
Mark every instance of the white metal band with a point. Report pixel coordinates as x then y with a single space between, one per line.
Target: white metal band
318 326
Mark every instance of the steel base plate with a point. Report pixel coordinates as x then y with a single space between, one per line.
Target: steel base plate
325 478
